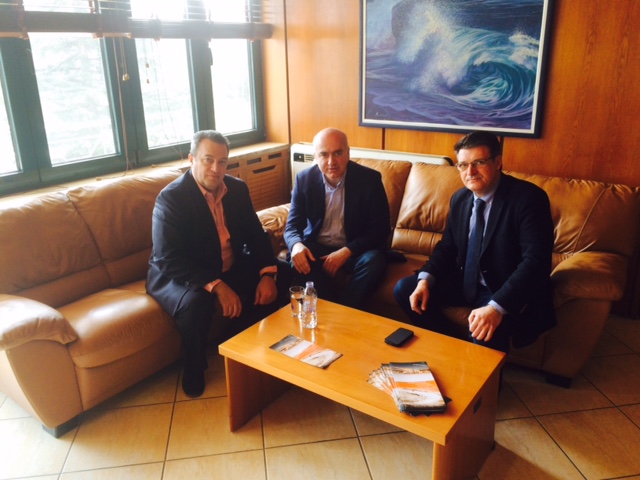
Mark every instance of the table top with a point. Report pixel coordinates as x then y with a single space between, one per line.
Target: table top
460 368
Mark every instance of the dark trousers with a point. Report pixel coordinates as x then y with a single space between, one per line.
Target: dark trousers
362 276
449 295
195 314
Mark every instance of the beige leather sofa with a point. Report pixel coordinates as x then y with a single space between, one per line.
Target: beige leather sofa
596 243
76 326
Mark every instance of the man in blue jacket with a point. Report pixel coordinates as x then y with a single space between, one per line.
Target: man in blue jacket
506 278
338 222
211 253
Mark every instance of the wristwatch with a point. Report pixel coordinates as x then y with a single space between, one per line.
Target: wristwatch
270 274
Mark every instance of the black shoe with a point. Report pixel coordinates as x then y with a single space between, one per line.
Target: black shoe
193 382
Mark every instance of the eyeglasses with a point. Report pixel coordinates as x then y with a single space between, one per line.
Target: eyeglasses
462 166
208 161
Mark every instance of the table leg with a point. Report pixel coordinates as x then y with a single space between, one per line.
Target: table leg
471 440
249 391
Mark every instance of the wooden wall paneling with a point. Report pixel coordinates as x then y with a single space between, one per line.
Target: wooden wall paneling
421 142
590 124
276 95
617 76
590 120
323 38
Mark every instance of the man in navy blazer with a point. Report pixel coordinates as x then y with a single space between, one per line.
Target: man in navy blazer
210 252
338 222
511 295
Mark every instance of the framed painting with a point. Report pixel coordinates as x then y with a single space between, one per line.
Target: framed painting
454 65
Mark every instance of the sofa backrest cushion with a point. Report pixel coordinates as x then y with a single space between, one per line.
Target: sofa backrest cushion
590 215
48 254
394 178
424 208
118 214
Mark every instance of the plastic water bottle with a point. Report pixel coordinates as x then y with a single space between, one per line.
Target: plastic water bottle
309 315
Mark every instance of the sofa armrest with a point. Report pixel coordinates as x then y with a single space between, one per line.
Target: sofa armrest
23 320
590 275
273 220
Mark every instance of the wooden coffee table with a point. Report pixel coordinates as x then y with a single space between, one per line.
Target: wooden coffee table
468 374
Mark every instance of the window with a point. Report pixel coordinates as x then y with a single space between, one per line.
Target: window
232 95
166 92
79 104
8 160
73 97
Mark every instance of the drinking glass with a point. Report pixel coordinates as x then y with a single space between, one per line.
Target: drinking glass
296 294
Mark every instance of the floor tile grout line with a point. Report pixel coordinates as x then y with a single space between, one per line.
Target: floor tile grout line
630 419
515 393
96 469
264 445
613 334
171 417
205 455
76 430
359 438
314 442
584 410
602 392
560 448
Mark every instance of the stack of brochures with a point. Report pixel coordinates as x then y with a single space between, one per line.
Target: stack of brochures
412 386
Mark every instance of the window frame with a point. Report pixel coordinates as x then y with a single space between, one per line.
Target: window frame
26 118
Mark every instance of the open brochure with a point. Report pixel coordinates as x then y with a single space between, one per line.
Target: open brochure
412 386
306 351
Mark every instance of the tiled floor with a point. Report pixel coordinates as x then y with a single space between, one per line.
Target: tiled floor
591 431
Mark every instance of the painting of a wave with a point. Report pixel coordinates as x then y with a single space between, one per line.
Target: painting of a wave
454 65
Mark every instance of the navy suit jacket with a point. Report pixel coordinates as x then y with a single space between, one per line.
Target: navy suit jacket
515 260
366 209
186 251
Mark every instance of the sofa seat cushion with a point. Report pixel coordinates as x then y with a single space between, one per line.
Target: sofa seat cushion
459 316
397 271
382 302
139 286
113 324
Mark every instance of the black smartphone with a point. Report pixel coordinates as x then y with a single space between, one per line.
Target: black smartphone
399 337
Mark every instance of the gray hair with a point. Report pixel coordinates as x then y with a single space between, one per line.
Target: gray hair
212 135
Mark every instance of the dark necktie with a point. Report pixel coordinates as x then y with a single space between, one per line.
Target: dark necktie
471 265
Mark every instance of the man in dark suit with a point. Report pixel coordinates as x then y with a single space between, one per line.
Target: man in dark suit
338 222
506 281
210 251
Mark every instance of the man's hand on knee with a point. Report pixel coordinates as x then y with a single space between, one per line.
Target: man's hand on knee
420 297
229 300
300 256
266 291
483 322
335 260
